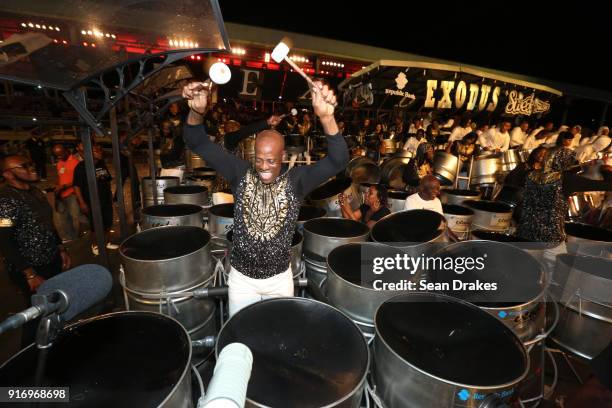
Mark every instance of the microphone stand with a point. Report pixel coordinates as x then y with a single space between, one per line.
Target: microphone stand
47 332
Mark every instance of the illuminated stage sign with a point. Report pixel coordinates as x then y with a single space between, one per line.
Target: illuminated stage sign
428 85
469 96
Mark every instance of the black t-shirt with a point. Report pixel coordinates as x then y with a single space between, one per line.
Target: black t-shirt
364 208
172 154
36 147
103 179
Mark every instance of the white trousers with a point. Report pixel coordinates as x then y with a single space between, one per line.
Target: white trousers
244 291
173 172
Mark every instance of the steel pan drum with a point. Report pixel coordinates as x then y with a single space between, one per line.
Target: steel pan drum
490 215
459 219
352 284
193 161
171 215
308 212
306 354
457 197
445 167
321 235
583 286
125 359
362 170
520 280
204 171
220 219
390 146
585 206
485 169
510 159
161 183
197 195
391 171
166 259
406 228
437 351
397 199
326 196
588 240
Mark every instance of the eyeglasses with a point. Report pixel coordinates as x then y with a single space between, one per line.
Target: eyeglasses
28 165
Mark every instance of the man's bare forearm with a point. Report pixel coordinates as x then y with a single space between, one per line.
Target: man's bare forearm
194 118
330 127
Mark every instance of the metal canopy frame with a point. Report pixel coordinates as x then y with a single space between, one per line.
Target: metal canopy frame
77 97
128 75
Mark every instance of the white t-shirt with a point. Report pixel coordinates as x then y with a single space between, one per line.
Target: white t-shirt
413 143
536 131
601 143
531 143
576 141
493 139
415 202
458 133
517 137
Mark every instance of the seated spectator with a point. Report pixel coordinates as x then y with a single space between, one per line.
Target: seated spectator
419 166
426 198
373 209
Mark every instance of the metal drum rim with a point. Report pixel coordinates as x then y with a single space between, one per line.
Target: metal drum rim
122 255
335 218
455 384
469 203
582 224
361 382
356 286
433 239
137 312
543 275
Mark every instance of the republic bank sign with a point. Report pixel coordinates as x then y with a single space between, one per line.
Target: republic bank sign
471 96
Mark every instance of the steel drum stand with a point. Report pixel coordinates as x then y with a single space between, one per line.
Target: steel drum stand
469 176
564 354
219 256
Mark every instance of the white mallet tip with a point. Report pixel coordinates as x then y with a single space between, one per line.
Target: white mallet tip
280 52
219 73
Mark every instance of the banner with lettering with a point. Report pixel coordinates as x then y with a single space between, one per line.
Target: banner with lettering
443 88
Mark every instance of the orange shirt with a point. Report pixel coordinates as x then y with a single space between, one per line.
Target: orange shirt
65 173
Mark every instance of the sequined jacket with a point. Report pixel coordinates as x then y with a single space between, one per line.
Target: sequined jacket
265 215
27 235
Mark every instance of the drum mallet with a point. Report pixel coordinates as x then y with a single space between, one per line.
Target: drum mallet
280 53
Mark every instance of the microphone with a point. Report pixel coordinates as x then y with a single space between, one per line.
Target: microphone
68 293
228 386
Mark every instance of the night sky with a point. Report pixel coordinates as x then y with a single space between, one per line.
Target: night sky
567 42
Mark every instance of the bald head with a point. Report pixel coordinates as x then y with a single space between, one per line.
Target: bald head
17 168
429 187
231 126
269 148
60 152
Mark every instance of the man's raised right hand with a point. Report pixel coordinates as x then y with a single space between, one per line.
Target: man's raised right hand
196 94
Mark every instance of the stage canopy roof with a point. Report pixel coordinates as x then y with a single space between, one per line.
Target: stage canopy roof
64 43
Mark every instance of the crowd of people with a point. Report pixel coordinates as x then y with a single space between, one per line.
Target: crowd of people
460 135
228 123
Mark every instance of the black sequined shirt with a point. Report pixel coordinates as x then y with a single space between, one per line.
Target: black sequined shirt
27 235
265 215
